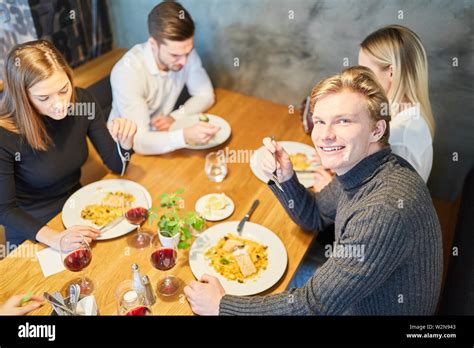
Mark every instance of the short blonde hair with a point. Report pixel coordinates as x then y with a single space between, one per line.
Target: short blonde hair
360 80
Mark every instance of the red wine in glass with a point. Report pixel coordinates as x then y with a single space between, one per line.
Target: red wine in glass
77 255
78 260
137 215
138 311
165 259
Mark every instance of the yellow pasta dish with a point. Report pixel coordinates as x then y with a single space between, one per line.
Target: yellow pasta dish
237 258
109 209
300 161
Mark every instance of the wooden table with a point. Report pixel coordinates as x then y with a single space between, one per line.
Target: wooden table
251 119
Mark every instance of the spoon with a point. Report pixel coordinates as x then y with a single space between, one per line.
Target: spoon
74 292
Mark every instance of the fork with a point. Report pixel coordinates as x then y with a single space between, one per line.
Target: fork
274 176
122 157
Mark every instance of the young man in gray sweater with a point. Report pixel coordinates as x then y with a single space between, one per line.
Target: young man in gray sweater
387 257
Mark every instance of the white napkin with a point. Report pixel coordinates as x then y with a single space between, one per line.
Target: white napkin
50 261
87 306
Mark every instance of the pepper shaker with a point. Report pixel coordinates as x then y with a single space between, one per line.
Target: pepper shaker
149 294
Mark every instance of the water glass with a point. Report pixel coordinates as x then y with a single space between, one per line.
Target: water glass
216 166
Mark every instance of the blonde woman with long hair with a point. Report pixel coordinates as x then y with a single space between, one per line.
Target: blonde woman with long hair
397 57
44 123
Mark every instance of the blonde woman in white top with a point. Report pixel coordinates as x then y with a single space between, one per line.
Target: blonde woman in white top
397 57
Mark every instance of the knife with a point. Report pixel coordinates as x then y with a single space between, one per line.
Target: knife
55 303
112 223
308 171
247 216
57 295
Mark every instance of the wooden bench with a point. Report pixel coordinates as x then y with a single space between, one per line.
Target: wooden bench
97 69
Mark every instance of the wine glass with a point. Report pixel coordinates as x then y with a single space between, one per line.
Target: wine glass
77 255
129 302
164 259
136 213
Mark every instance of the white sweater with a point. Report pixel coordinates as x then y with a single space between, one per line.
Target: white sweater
140 90
410 138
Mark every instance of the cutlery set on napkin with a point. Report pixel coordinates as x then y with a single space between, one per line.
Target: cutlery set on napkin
73 304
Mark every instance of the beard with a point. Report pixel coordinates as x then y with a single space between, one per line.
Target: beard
168 67
176 67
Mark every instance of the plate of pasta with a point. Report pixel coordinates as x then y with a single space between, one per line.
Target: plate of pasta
100 203
301 156
245 264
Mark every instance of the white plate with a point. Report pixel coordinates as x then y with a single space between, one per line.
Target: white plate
214 215
220 138
292 147
277 257
94 193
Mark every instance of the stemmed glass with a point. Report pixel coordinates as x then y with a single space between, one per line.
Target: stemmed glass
164 259
136 213
77 255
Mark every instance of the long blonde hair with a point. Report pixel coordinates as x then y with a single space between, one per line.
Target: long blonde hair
401 48
363 81
26 65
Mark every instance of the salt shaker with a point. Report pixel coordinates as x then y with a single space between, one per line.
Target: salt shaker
136 279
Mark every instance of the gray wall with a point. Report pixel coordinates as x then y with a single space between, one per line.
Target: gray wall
282 58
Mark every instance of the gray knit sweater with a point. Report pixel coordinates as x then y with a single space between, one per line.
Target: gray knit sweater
387 257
